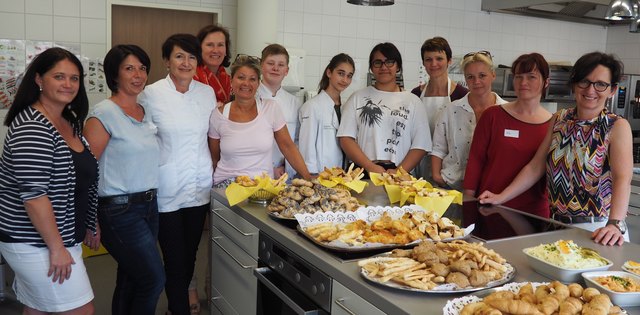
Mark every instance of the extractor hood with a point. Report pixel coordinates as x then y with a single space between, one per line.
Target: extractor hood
581 11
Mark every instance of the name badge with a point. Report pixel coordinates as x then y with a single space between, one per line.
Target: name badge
512 133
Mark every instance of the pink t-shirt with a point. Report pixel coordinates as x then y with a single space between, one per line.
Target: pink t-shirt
245 148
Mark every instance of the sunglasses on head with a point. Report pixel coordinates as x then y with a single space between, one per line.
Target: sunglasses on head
244 58
482 52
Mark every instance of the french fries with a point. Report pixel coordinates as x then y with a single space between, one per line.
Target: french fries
402 270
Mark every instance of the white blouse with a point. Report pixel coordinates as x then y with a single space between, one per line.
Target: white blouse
452 137
186 172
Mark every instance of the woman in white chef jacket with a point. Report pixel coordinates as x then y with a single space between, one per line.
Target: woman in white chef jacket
439 90
320 117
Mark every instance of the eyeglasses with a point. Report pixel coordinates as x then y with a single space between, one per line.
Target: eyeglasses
482 52
598 85
378 63
242 58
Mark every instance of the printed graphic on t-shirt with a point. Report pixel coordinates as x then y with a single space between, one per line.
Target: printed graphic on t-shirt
372 115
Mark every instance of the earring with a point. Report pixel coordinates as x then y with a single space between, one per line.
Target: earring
40 87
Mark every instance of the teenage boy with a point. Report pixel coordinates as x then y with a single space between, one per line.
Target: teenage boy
275 66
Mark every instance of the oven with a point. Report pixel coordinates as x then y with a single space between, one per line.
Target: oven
558 89
626 101
287 284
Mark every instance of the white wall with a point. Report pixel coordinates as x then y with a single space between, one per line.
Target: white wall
626 45
325 27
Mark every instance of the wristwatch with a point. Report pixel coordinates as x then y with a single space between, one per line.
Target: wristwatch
620 224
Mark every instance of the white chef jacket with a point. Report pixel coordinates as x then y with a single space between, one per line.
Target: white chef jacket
289 105
186 172
453 132
317 138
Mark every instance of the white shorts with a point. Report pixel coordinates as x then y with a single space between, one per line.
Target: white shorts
35 289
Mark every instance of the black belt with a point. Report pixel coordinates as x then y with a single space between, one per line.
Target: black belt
572 219
144 196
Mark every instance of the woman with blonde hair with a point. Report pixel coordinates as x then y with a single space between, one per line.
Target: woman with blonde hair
454 127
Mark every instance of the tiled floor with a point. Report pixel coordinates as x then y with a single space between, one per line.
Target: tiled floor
102 271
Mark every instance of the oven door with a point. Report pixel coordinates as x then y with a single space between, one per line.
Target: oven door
276 296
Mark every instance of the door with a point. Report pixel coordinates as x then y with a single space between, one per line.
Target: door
149 27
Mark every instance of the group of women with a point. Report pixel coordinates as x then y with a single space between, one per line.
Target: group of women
160 149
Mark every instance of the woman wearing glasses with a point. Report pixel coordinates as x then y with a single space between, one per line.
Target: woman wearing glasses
242 133
382 126
586 189
507 137
440 89
454 127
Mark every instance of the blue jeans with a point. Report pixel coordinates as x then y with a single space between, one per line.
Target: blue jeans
130 233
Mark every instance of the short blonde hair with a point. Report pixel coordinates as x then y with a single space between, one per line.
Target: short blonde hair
477 57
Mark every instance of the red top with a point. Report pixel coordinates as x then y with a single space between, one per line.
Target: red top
502 145
220 82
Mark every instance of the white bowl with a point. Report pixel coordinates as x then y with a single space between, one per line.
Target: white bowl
558 273
618 298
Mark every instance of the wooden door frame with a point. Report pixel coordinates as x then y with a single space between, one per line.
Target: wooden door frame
110 3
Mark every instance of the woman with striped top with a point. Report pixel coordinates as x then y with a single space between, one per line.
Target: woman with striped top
48 188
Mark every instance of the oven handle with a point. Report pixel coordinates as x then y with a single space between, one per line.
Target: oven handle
215 211
259 273
340 302
214 239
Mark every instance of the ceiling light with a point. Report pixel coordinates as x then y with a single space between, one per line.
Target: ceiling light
622 10
371 2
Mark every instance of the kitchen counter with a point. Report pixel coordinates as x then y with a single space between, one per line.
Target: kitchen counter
392 301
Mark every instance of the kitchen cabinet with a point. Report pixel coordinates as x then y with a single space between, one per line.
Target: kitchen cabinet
345 302
234 255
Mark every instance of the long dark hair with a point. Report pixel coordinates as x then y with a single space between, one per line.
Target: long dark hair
388 50
29 92
205 31
335 61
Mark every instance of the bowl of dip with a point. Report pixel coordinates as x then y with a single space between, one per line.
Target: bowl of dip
622 287
564 260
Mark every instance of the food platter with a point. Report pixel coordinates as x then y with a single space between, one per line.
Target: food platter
443 288
453 307
341 223
344 248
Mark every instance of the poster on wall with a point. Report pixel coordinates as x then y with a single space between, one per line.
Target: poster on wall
16 55
12 64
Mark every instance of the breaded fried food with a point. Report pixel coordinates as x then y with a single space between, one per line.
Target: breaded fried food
458 279
440 269
463 266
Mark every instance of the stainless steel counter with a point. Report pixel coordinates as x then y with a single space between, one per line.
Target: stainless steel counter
393 301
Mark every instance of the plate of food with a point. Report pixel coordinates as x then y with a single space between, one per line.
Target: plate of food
533 298
632 266
565 260
440 267
375 228
622 287
337 177
304 196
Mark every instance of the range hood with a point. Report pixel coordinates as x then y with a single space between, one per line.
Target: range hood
581 11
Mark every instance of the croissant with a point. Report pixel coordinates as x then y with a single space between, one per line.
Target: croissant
527 288
589 293
471 308
500 295
599 305
514 306
542 292
575 290
570 306
561 290
548 305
